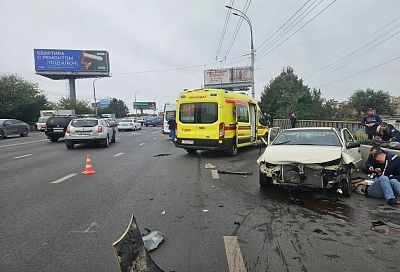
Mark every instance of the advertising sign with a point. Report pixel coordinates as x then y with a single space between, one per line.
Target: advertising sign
144 105
104 103
79 62
228 77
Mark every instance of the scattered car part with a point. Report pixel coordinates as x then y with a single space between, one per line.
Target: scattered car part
153 239
235 172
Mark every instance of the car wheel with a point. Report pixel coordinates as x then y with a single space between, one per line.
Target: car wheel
24 132
2 134
69 145
53 139
147 125
232 151
265 181
346 186
191 151
106 142
119 129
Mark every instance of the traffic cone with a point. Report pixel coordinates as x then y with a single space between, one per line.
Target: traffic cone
88 168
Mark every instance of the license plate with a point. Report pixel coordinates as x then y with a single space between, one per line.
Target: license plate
187 142
83 133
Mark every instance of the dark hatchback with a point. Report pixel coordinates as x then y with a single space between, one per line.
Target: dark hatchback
56 127
153 121
13 127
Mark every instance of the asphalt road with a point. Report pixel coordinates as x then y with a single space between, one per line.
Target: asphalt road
71 225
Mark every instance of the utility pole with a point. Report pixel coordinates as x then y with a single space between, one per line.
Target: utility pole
94 95
244 16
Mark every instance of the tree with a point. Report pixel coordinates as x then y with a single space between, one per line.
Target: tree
361 100
81 107
287 93
21 99
116 106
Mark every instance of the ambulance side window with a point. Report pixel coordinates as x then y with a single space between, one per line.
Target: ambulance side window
242 113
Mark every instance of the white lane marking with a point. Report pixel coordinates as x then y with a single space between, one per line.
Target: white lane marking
233 254
117 155
142 144
64 178
214 174
23 156
1 146
154 138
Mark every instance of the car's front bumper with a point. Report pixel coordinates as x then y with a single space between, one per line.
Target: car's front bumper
204 144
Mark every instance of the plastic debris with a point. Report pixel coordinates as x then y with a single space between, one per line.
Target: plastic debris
236 223
164 213
162 155
339 191
153 240
209 166
205 210
235 173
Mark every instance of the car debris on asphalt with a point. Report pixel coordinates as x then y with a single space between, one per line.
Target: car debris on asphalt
209 166
163 213
235 172
152 239
162 155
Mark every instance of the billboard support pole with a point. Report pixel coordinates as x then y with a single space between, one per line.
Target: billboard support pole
72 92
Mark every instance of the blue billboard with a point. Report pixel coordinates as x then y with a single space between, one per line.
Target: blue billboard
79 61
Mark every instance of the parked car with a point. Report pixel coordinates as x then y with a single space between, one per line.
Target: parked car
13 127
41 123
316 157
128 124
89 130
153 121
140 120
56 126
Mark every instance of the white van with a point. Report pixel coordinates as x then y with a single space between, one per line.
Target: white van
169 110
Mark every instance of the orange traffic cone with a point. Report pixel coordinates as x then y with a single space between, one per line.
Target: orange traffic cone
88 168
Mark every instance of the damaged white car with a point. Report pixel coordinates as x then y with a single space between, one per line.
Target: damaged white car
318 157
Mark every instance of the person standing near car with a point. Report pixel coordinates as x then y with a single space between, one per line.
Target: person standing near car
371 121
172 127
293 119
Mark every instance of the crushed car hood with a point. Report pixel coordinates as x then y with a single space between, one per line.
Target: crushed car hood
303 154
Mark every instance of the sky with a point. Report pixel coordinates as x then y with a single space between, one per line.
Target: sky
158 48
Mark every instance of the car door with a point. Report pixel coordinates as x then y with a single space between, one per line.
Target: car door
8 127
272 133
350 154
18 126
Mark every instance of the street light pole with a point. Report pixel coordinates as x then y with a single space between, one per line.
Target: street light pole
244 16
94 94
135 101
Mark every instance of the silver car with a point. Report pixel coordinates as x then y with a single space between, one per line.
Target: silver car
41 123
89 130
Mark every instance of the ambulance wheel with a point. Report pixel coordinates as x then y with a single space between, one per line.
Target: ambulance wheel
232 150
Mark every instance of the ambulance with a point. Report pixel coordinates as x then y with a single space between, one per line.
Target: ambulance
217 119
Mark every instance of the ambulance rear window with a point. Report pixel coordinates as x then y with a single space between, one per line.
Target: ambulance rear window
198 113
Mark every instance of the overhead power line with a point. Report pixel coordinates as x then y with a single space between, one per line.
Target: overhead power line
238 25
287 21
294 33
228 14
360 72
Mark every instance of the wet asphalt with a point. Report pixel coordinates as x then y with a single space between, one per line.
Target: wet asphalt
71 225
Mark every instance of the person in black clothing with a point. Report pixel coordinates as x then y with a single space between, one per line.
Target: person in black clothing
372 167
371 122
389 133
293 119
270 120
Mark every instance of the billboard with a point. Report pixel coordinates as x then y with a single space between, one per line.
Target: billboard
79 63
144 105
228 77
104 103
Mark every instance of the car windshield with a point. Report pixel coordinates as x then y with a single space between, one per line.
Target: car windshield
58 120
308 137
84 123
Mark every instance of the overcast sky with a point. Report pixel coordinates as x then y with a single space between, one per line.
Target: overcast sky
158 35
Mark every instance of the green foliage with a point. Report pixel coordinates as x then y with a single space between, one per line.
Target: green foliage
361 100
21 99
287 93
81 106
116 106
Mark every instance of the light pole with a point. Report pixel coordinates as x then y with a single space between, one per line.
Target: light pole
94 94
135 101
244 16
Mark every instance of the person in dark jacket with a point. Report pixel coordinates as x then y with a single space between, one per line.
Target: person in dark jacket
270 120
172 128
293 119
372 167
389 133
371 122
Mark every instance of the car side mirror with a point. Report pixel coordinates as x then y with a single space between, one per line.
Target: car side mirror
350 145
